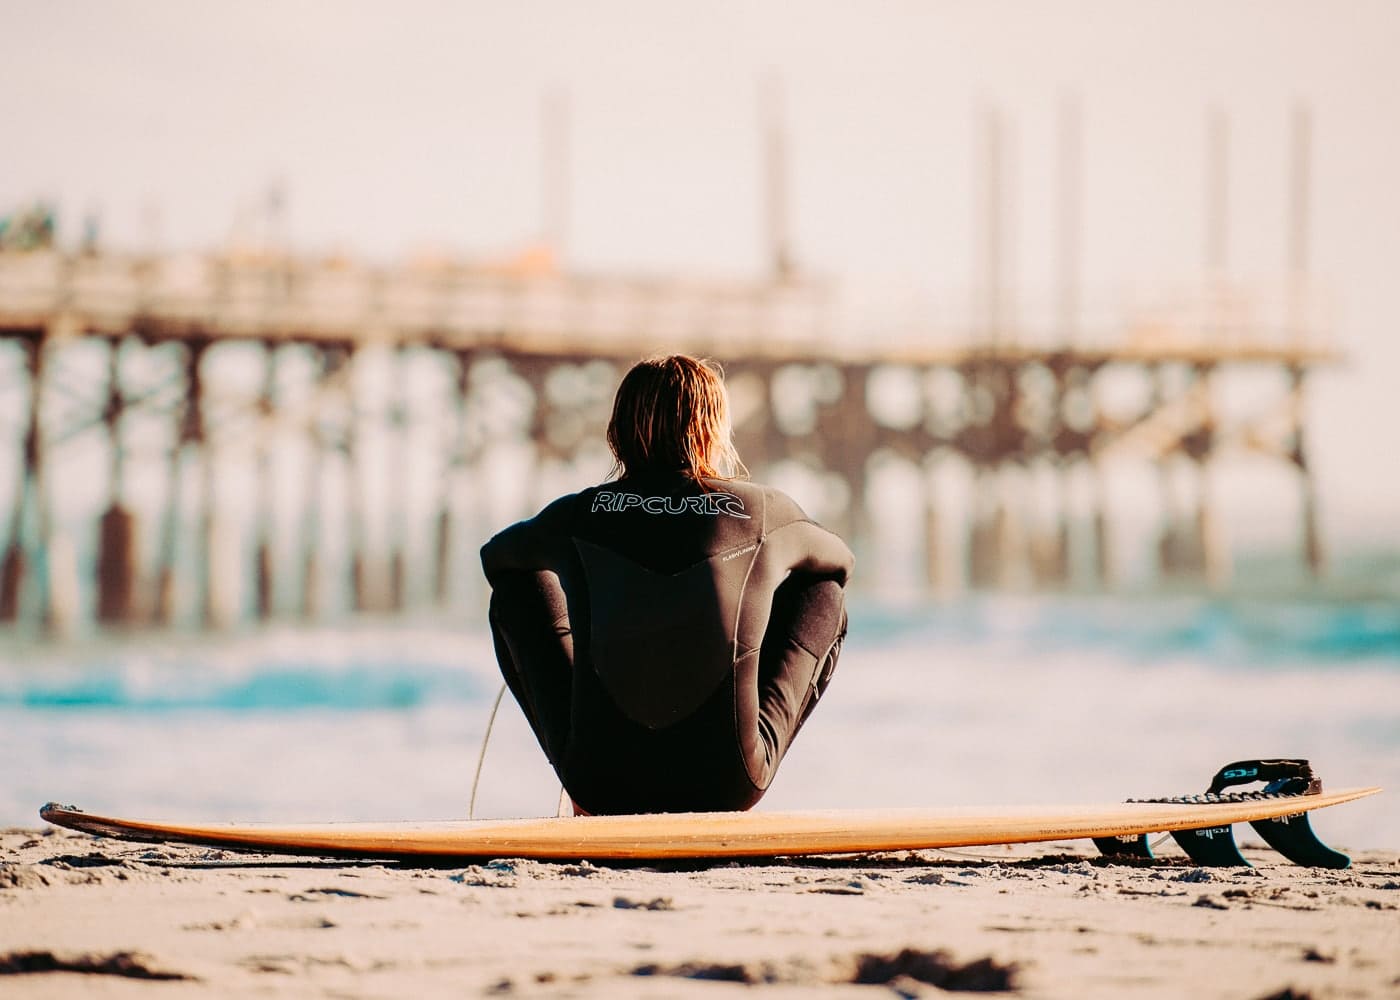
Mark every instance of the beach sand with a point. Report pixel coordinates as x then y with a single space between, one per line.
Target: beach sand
1042 921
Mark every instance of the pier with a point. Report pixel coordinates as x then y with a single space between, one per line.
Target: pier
262 435
1001 406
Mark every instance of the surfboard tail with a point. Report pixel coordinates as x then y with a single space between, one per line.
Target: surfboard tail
1214 846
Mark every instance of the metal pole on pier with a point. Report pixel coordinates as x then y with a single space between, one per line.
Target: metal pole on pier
1067 268
775 189
1213 558
1300 189
555 175
981 385
990 170
1069 220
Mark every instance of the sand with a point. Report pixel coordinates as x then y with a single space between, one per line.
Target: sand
81 916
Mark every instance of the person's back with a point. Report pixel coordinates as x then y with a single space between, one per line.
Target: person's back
667 633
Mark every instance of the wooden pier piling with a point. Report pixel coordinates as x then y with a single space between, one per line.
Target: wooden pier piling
262 557
116 552
28 509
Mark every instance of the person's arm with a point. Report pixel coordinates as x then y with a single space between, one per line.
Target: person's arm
797 543
527 545
796 662
800 574
530 622
807 547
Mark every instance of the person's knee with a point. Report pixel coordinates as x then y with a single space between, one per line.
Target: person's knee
817 616
528 600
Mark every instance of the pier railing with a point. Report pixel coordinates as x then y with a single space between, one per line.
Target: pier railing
280 299
447 305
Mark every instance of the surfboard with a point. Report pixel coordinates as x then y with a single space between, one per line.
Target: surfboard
708 835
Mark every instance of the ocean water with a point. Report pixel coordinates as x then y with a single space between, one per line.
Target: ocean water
980 700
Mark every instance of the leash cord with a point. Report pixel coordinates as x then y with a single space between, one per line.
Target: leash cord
481 757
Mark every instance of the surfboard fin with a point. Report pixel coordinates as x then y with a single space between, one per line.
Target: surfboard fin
1211 847
1125 846
1293 837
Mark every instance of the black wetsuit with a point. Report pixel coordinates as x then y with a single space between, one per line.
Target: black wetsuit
666 639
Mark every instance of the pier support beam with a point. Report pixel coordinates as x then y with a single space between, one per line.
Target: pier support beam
188 446
1020 419
935 573
15 567
262 556
451 470
359 576
328 364
1213 558
986 551
116 546
1050 561
1103 544
846 442
1177 551
398 498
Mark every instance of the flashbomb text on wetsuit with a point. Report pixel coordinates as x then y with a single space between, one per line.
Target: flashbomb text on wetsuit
710 504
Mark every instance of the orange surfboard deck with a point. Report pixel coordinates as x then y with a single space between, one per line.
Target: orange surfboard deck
702 835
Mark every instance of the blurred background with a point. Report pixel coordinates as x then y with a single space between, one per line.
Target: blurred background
1073 317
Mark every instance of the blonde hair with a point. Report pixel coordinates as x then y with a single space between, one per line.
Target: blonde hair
671 414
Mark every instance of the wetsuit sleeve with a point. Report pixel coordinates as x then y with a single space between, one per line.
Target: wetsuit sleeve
529 619
531 545
799 544
807 547
796 662
806 568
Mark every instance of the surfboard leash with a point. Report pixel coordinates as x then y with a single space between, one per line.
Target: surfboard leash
481 757
481 760
1208 798
1285 777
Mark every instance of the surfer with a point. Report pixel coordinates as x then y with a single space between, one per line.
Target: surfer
667 633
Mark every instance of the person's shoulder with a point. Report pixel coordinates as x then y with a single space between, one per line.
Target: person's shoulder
528 541
554 515
564 505
778 507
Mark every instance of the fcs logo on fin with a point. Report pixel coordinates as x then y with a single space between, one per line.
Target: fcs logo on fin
1240 772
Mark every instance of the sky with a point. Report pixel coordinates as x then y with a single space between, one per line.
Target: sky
395 128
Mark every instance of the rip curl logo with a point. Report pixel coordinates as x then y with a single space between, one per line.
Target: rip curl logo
709 504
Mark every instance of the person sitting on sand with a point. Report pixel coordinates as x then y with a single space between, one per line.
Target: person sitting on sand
667 633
